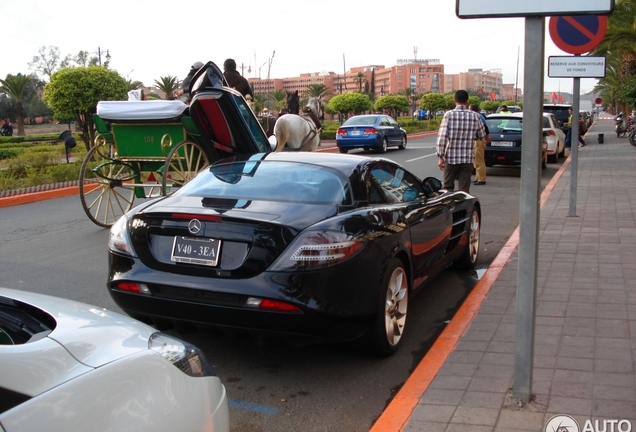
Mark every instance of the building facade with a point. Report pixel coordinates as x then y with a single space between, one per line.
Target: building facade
477 80
422 76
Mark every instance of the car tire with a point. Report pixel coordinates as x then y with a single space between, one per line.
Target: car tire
471 253
562 154
553 158
402 145
343 150
384 146
387 331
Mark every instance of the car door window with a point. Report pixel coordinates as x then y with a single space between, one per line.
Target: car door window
395 184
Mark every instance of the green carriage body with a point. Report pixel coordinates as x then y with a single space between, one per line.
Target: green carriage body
142 152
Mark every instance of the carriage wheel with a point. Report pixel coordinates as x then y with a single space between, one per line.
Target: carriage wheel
184 161
103 187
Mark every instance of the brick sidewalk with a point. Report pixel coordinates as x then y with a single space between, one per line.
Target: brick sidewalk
585 337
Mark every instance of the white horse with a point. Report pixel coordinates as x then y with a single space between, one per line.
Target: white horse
300 132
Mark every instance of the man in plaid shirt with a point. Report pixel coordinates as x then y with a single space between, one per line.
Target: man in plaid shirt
456 143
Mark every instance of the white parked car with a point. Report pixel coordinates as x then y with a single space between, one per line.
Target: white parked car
555 137
68 366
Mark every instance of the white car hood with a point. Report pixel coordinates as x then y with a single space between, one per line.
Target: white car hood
93 336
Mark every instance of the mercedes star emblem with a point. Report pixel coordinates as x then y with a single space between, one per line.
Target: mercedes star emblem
195 226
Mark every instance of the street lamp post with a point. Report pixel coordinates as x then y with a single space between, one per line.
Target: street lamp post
99 56
259 70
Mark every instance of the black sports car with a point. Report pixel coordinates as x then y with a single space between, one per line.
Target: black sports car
318 245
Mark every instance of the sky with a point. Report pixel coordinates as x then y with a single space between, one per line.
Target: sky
151 39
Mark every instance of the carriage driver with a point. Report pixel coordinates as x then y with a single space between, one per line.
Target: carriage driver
235 79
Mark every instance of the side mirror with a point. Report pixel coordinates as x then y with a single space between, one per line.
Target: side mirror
432 185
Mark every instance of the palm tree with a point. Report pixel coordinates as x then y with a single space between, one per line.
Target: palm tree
320 91
411 95
168 85
609 85
132 85
619 48
15 86
360 79
279 97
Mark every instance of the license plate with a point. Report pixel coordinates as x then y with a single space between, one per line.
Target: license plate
502 143
356 133
196 251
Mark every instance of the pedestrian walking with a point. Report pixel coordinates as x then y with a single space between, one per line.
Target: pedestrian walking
458 131
568 135
480 150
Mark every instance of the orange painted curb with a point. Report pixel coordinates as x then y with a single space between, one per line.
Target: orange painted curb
397 414
38 196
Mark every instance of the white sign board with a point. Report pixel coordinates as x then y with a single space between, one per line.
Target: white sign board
521 8
576 67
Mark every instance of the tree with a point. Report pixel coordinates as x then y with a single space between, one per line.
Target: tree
37 108
411 94
392 104
432 102
16 86
489 105
360 79
132 85
75 92
450 101
47 62
474 100
279 97
168 85
320 91
349 103
619 48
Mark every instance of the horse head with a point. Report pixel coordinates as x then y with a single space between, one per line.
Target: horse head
293 102
317 107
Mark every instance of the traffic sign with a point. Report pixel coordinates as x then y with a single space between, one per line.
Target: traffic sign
598 101
509 8
576 67
577 34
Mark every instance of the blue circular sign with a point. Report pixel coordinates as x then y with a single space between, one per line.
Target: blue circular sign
578 34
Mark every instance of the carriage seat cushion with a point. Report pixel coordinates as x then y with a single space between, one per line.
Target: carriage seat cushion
141 110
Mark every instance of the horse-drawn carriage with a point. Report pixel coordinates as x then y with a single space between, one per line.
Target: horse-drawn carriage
149 148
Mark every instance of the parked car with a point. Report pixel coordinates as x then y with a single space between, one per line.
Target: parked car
561 112
370 132
69 366
555 137
585 118
308 246
511 108
504 148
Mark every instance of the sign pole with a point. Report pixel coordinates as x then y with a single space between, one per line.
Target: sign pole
529 207
574 162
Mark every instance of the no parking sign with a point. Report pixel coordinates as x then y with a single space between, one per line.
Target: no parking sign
578 34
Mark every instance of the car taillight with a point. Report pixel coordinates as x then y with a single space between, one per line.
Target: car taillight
271 305
119 238
132 287
370 131
318 250
341 132
551 132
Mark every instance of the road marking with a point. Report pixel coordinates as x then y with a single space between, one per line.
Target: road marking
249 406
421 157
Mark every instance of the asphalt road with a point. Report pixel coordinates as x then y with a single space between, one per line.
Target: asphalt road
52 247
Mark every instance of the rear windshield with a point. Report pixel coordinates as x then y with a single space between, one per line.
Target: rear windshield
500 125
270 181
561 113
361 120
